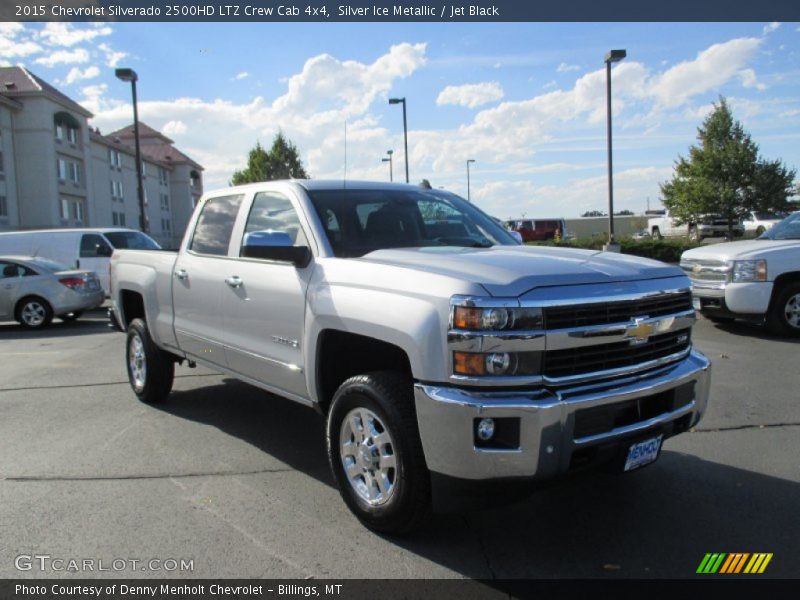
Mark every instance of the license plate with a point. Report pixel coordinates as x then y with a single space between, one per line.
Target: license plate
643 453
696 303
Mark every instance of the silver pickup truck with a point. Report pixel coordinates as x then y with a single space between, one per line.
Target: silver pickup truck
444 356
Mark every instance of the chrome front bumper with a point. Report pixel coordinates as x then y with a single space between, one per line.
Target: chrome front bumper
446 418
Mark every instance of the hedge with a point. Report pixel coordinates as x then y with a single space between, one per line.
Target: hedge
664 250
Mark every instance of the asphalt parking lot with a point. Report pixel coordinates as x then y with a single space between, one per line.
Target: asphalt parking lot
237 480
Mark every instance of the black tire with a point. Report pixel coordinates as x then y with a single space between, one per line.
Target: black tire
33 312
694 234
389 397
657 233
73 316
785 303
154 383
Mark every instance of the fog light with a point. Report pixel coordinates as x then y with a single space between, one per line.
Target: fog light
486 429
498 363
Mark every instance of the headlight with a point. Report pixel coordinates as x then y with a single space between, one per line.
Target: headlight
749 270
496 319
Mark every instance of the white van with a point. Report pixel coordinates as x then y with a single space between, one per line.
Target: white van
88 249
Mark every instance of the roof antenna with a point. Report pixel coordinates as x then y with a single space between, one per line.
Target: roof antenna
345 154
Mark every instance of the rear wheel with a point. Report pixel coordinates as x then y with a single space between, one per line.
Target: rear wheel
34 312
784 314
150 370
375 452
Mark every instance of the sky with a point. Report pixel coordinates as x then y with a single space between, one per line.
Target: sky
526 101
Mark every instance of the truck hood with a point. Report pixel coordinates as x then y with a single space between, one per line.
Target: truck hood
513 270
746 249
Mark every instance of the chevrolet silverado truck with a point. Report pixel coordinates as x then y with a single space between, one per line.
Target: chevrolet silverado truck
756 280
442 353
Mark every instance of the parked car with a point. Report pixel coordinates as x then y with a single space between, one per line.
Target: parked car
758 280
533 230
87 249
441 359
758 222
33 290
641 234
705 227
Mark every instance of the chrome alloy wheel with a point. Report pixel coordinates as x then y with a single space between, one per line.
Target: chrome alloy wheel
792 311
368 458
33 313
137 362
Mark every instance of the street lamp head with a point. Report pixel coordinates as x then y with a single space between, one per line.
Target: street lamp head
470 160
613 56
390 152
126 75
396 100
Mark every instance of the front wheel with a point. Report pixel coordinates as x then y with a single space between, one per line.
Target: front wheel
150 370
784 314
375 452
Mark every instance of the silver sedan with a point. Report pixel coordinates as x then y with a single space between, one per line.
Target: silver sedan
34 290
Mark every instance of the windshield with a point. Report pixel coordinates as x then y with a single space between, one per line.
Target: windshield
49 265
360 221
131 240
788 229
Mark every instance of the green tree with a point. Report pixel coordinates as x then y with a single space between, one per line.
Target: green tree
724 174
281 162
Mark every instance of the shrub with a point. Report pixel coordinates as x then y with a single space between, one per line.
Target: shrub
664 250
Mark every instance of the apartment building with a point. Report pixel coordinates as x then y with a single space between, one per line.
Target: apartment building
56 171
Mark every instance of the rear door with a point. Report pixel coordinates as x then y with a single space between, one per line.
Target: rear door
95 253
9 285
264 303
199 280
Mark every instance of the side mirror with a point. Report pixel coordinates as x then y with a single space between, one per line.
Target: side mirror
275 245
516 235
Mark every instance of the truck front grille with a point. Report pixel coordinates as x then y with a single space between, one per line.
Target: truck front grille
563 317
604 357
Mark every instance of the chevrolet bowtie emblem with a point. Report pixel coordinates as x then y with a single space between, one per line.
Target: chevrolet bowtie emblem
639 331
697 268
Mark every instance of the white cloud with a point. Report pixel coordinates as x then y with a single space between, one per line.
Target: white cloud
113 57
11 44
240 76
64 57
75 74
174 128
770 27
566 68
93 97
470 95
712 67
748 77
66 34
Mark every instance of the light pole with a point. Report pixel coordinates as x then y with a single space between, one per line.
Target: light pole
389 160
612 56
405 128
469 160
130 75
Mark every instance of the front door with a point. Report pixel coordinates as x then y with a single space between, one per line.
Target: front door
199 281
264 304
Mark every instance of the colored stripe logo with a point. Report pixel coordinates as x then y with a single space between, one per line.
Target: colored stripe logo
734 563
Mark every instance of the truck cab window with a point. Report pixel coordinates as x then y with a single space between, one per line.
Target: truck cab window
93 246
212 234
272 211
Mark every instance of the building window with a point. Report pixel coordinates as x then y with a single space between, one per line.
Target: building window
3 206
60 135
164 201
62 169
69 170
116 190
163 176
144 169
77 211
75 172
2 166
67 127
64 208
114 158
166 226
72 135
118 219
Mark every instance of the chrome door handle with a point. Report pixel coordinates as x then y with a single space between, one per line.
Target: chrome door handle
182 274
234 281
